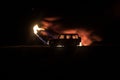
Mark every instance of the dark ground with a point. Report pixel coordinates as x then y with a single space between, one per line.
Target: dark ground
56 63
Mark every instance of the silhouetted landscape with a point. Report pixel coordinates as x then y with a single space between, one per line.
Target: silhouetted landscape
22 52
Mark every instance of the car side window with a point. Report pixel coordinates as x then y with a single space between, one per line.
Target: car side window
61 37
74 37
68 37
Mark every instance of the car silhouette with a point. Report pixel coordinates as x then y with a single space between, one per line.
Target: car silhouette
66 40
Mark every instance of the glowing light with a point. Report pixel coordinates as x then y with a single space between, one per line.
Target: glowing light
80 44
36 29
59 46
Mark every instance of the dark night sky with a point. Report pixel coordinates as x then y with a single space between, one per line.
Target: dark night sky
17 22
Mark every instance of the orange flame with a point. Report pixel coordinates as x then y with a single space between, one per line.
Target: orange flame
88 37
36 29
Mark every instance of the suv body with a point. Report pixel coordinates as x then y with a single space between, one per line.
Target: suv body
65 40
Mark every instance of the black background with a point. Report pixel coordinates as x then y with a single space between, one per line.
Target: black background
17 22
16 26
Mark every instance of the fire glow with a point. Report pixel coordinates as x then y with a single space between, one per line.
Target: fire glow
36 29
88 35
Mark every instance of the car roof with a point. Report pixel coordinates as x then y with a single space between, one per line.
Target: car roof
68 34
